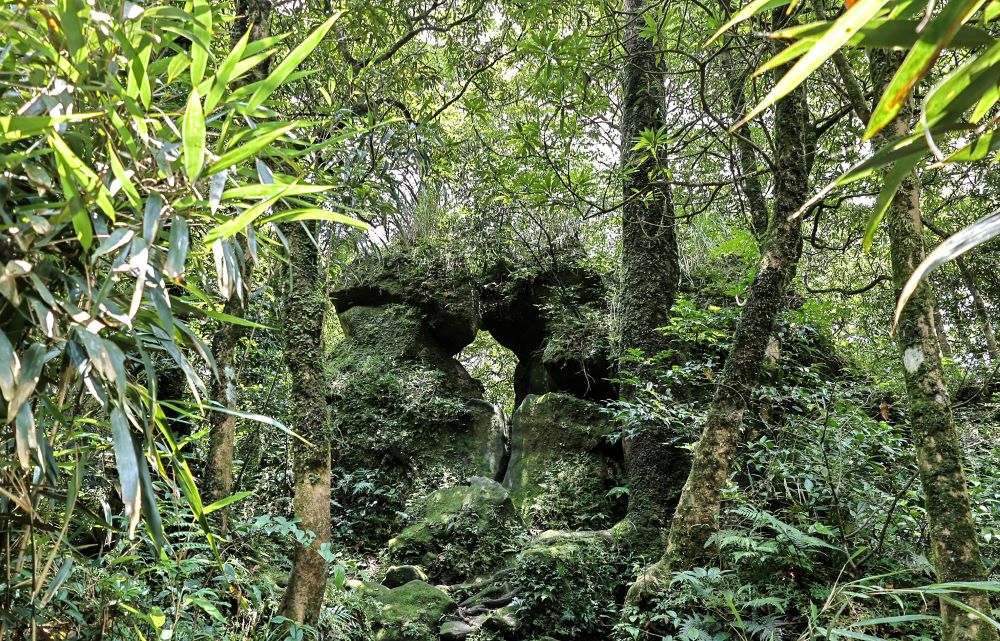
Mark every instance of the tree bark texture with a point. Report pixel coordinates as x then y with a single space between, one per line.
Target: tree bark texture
305 306
696 518
255 14
954 542
650 276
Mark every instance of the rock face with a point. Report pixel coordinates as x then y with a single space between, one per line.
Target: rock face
460 531
410 415
411 612
554 322
563 461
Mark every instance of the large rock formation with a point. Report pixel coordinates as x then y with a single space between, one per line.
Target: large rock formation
564 462
405 406
460 532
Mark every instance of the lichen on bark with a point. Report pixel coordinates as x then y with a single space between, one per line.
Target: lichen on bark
650 275
954 541
305 307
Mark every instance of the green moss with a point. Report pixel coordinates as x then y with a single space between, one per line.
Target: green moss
411 612
558 475
460 531
569 581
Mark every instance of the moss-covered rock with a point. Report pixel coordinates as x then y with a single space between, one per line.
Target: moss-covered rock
425 279
562 462
410 612
398 575
460 531
568 586
404 406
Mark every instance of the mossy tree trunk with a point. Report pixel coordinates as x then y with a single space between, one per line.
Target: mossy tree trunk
650 275
305 306
255 14
746 154
697 513
954 542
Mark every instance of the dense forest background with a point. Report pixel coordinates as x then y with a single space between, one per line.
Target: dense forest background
499 320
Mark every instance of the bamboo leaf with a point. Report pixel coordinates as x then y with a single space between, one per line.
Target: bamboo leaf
747 12
247 150
232 227
128 468
281 72
313 213
229 500
843 30
933 40
894 179
177 249
225 74
202 28
193 136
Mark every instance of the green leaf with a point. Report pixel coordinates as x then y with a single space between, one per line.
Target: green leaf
64 571
313 213
221 503
27 378
903 618
9 366
177 249
128 468
840 33
225 74
747 12
84 230
17 127
232 227
900 170
202 29
933 40
267 191
288 64
186 308
193 136
247 150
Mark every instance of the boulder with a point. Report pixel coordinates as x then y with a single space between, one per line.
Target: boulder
455 630
411 612
568 585
460 532
398 575
562 462
442 293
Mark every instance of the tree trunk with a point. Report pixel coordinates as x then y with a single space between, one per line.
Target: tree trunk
696 518
222 431
955 546
750 182
698 511
305 306
650 275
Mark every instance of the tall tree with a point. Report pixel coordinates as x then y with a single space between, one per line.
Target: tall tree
697 514
253 15
650 273
305 306
954 542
